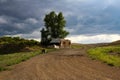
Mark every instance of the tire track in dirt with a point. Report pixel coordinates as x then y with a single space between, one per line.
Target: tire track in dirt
66 64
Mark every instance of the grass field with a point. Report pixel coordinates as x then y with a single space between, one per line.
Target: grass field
15 58
76 46
103 54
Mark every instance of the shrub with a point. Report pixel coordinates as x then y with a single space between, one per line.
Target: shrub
14 44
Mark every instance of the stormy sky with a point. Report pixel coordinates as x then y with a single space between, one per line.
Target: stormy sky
88 21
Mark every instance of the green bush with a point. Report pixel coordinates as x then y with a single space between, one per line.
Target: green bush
15 44
2 68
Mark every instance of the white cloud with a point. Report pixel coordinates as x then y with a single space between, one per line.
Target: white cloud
31 20
3 1
94 39
76 0
34 35
71 30
19 25
3 20
68 13
110 2
84 39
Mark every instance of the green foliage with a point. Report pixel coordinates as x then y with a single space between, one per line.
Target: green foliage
2 68
54 26
11 59
15 58
14 44
102 53
44 37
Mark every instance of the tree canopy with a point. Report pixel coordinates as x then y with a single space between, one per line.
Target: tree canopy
55 24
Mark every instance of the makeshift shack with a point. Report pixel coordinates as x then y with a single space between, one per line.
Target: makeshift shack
60 43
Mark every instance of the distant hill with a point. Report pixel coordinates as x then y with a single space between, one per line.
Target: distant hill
115 43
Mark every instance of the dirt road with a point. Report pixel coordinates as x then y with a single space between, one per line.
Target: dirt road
66 64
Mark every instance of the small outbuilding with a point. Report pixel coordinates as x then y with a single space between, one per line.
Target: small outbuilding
60 43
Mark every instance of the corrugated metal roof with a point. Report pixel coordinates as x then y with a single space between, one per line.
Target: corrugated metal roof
55 40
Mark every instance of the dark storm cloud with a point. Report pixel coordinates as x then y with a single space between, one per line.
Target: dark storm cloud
83 16
17 17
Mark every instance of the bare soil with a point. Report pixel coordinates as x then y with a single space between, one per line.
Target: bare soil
64 64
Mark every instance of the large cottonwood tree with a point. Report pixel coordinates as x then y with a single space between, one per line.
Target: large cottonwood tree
54 27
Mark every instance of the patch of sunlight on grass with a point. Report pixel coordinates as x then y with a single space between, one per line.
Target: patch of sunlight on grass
102 53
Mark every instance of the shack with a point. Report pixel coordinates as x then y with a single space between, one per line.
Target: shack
60 43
